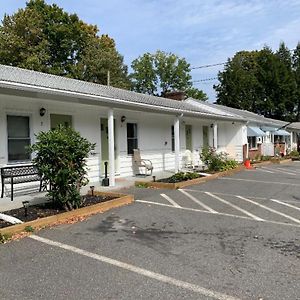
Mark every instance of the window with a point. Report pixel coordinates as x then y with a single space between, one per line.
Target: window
56 120
252 142
205 136
173 138
132 139
18 134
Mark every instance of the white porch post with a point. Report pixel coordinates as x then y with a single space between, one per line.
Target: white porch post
215 136
177 144
111 147
291 141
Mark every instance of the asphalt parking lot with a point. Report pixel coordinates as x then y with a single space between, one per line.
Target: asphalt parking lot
237 237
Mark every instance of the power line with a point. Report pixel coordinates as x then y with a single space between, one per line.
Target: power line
205 79
208 66
223 63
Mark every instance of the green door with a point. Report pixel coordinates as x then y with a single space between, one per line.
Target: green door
205 136
188 137
104 144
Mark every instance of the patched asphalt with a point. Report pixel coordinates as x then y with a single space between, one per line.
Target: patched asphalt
230 254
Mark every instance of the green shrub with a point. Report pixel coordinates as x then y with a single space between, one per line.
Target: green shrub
265 157
181 176
60 156
294 153
217 162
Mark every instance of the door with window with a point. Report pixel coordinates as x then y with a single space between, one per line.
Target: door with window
18 138
132 138
188 137
205 136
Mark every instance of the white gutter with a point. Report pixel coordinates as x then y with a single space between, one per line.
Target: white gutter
119 101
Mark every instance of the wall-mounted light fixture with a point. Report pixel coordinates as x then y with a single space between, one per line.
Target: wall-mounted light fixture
123 119
211 125
42 111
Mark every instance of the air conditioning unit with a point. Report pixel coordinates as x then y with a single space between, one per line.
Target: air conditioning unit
258 140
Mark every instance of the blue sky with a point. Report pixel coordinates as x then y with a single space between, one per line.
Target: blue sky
202 31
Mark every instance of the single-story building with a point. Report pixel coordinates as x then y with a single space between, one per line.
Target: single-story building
117 120
261 136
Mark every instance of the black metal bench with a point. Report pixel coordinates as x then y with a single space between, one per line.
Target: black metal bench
19 174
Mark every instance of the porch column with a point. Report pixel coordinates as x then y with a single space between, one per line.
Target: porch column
111 147
177 144
291 141
215 136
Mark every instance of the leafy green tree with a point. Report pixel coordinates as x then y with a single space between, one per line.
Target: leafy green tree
161 72
44 38
296 70
239 86
60 155
259 81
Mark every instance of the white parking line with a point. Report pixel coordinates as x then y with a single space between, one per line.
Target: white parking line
279 170
215 214
197 201
286 204
289 170
265 171
270 209
128 267
170 200
235 207
259 181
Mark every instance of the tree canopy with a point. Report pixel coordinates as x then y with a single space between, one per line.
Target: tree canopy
45 38
161 72
264 82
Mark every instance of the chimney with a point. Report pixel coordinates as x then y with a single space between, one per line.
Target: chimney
175 95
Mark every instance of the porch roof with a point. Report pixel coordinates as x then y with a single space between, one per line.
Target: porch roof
255 131
17 81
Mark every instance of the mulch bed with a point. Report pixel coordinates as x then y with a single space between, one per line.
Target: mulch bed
168 180
48 209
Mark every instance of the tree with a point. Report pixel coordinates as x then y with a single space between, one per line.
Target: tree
161 72
259 81
296 71
44 38
61 158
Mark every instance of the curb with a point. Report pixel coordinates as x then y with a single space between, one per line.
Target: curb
272 161
80 212
178 185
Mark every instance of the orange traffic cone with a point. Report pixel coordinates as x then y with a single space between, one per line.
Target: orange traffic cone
247 164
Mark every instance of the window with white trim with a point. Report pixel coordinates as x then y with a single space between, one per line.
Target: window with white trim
132 138
252 142
18 138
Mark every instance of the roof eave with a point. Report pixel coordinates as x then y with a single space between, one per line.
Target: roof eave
26 90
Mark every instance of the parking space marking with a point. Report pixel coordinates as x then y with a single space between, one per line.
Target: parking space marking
289 170
263 170
128 267
170 200
279 170
216 214
235 207
270 209
259 181
286 204
197 201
